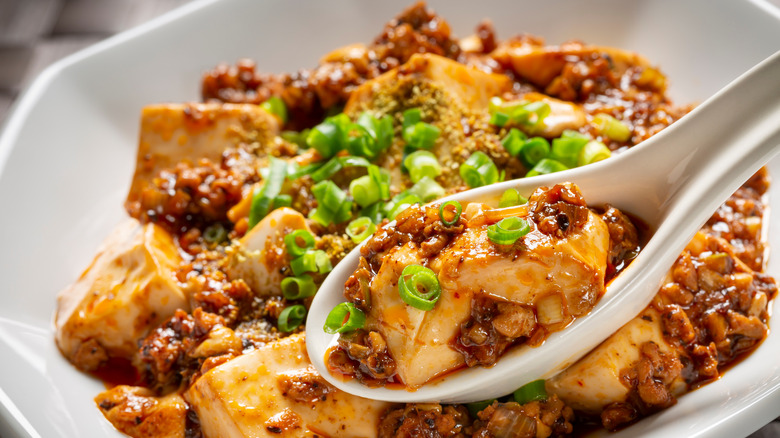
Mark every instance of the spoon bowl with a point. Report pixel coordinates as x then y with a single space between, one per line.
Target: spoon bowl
674 181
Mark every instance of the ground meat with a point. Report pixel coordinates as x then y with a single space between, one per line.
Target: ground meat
649 381
304 386
309 94
425 420
559 210
415 224
166 352
542 419
739 221
192 195
623 240
479 340
364 355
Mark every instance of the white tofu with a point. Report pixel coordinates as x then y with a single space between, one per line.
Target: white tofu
172 133
244 398
594 381
129 288
573 267
260 254
137 412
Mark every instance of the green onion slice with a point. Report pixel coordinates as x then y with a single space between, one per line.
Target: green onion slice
511 197
421 135
546 166
592 152
263 198
508 230
567 149
307 262
403 201
534 150
419 287
332 204
479 170
215 234
513 142
532 391
364 191
427 189
290 318
446 210
292 240
360 229
611 127
296 288
411 117
275 105
499 119
421 164
345 317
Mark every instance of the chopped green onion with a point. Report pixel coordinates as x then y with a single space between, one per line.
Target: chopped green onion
290 318
275 105
566 149
295 137
479 170
311 261
364 191
570 133
326 138
374 212
327 170
370 188
382 179
514 141
444 210
215 234
546 166
521 112
332 204
511 197
427 189
421 164
263 199
592 152
421 135
499 119
345 317
292 240
360 229
477 407
335 164
374 136
295 171
611 127
508 230
404 201
532 114
419 287
411 117
533 391
306 262
297 288
282 201
323 262
534 150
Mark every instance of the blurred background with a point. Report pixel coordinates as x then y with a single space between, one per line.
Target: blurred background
36 33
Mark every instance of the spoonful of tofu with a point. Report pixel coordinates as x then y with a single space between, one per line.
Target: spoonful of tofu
484 292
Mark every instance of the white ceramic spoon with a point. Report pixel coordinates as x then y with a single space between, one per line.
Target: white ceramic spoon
673 181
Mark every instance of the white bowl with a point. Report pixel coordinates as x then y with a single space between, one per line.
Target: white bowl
68 150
